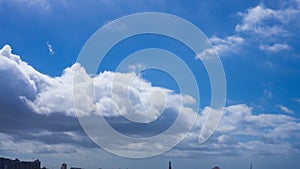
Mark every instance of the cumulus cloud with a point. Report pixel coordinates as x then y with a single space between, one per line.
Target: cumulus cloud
115 93
253 20
260 25
19 73
257 19
253 17
240 131
268 25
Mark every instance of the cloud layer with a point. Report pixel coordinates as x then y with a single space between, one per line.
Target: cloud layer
116 95
42 106
242 132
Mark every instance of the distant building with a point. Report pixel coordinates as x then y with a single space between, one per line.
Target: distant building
28 164
170 165
75 168
6 163
216 168
63 166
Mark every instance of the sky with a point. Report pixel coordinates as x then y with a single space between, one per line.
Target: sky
258 45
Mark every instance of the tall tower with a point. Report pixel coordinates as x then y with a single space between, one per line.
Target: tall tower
170 166
251 166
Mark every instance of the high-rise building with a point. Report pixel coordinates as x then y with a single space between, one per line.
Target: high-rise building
63 166
170 165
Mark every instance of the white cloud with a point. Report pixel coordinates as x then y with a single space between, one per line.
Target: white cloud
285 109
230 44
253 17
50 48
22 74
136 68
275 47
243 132
259 25
239 131
222 46
115 93
257 20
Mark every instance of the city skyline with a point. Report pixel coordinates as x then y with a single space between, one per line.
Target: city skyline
6 163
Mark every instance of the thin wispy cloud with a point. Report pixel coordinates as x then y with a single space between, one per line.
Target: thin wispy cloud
275 47
223 46
50 48
285 109
229 44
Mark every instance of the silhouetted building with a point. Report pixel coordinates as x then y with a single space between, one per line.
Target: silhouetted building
63 166
28 165
170 165
75 168
6 163
216 168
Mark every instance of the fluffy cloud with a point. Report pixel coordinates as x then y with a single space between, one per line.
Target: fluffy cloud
256 20
243 132
264 26
115 93
240 131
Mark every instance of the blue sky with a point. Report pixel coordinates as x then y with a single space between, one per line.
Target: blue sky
257 42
